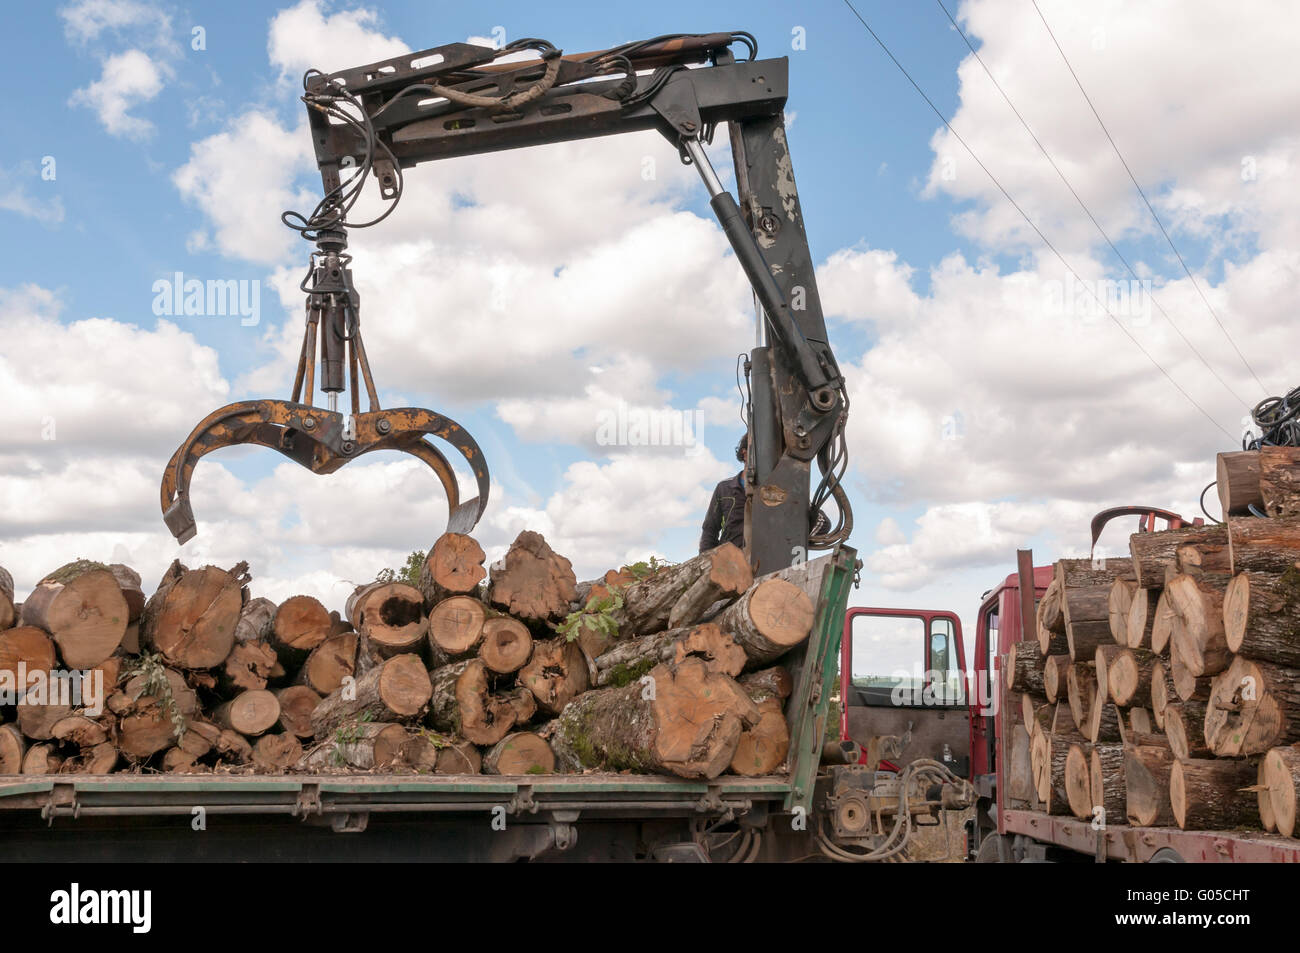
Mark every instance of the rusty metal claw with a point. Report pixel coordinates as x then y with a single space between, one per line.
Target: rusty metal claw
316 439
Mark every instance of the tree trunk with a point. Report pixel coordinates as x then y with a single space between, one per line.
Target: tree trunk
683 594
456 629
1101 661
1185 729
1209 795
1153 552
771 618
1262 616
1081 691
1199 606
1281 775
13 747
191 618
1103 722
1025 668
629 660
763 747
507 645
1146 785
1129 677
395 691
82 607
1106 781
1253 706
521 752
1077 780
364 745
687 725
1050 619
276 754
249 665
556 673
1237 481
535 583
1055 672
389 617
462 704
297 702
454 567
250 713
330 663
1141 618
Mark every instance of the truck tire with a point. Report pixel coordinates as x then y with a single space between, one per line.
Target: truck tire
993 849
1166 855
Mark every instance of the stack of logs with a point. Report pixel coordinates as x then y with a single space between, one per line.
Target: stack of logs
1164 688
673 669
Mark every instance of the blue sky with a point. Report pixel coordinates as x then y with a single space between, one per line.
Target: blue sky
981 424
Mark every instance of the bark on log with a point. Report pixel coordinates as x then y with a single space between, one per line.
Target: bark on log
40 759
1237 481
1162 626
255 620
1049 772
1077 780
101 759
682 594
628 661
771 618
1162 691
454 567
1253 706
462 704
521 752
1261 545
1261 614
1186 685
1146 785
1153 552
363 745
191 618
507 645
1210 795
8 617
459 758
556 674
1185 729
29 647
1199 607
1050 619
1106 782
687 726
152 718
1054 677
1103 722
395 691
1025 668
1081 690
1129 677
1279 481
251 713
1281 774
763 747
1101 661
249 665
82 607
128 580
534 582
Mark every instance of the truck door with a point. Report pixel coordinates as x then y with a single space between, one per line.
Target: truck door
903 687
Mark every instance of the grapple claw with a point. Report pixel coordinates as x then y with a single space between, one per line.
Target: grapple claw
316 439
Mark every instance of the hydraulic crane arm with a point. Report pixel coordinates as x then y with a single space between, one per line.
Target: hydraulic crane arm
383 118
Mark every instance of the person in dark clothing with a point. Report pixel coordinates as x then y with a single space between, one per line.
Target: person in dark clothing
725 520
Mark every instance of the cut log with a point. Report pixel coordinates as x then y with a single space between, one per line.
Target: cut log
1055 671
630 660
521 752
1267 819
1154 552
297 702
8 616
356 744
1199 607
37 721
684 593
1106 782
459 758
454 567
1212 795
1081 687
1279 481
1101 660
507 645
1237 481
390 619
28 647
1186 685
1261 614
771 618
1141 618
456 629
40 759
1129 677
1281 775
462 704
155 711
255 620
1261 545
1185 729
1139 721
79 730
1049 772
1120 602
1050 619
233 748
1162 626
251 713
533 582
277 753
1162 691
763 747
128 580
13 748
395 691
1076 574
687 726
82 607
191 618
1025 668
1146 785
556 673
1253 706
330 663
249 665
1077 773
614 580
101 759
1020 771
1103 722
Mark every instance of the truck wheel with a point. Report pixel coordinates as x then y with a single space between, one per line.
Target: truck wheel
994 849
1166 855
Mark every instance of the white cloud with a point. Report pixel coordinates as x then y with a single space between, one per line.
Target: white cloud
86 20
306 36
128 79
15 196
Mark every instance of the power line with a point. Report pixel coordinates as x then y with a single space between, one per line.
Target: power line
1086 210
1030 222
1214 314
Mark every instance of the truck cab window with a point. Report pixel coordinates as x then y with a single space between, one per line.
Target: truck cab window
944 669
889 655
